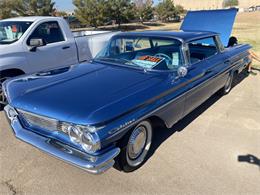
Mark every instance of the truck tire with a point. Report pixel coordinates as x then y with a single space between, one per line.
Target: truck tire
228 85
135 152
2 97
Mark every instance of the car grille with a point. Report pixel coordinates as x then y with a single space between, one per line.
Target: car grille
37 121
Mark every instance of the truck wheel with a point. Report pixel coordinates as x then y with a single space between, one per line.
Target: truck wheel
134 154
2 97
228 86
5 75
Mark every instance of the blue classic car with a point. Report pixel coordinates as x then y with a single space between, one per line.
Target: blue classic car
94 114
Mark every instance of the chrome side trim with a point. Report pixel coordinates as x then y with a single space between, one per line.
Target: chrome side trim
90 163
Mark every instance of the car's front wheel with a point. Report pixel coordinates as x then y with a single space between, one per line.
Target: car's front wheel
134 154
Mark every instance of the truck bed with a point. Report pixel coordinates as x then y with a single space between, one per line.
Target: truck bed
90 43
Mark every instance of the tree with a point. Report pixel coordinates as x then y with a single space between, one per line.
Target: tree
120 10
166 10
180 9
90 12
11 8
230 3
144 9
6 10
34 7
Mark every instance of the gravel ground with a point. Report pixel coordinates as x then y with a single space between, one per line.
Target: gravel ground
208 152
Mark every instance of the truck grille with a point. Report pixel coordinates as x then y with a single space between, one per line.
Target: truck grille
37 121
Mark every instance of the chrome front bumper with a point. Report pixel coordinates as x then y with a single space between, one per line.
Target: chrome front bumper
90 163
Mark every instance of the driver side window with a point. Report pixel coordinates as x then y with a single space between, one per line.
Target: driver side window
50 32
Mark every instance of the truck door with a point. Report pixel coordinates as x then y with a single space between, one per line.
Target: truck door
56 53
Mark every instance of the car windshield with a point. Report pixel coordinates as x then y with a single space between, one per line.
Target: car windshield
10 32
150 53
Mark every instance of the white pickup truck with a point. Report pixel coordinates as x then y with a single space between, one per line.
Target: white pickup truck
32 44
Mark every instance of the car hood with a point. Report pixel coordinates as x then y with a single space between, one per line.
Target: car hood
7 50
83 94
220 21
4 49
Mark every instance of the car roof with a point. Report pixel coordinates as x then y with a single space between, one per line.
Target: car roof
28 19
184 36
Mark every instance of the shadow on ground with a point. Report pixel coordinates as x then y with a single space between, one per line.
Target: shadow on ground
162 133
249 158
257 69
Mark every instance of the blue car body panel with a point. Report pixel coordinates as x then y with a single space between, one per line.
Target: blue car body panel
109 95
115 98
220 21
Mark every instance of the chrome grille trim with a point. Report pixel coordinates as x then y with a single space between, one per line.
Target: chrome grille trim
37 121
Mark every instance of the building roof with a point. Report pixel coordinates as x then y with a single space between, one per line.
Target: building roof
180 35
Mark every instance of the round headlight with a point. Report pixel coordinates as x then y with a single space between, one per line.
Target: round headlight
90 142
74 134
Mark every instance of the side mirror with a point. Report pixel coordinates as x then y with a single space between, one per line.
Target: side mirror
182 71
34 43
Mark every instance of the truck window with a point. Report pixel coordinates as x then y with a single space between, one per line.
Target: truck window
50 32
12 31
202 49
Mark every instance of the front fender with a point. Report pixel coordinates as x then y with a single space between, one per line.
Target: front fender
13 62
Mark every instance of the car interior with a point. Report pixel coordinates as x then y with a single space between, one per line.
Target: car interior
200 52
167 52
170 54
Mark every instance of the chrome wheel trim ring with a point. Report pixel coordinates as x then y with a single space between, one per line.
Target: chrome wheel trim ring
228 84
139 144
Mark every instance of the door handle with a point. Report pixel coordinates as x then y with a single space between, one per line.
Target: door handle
66 47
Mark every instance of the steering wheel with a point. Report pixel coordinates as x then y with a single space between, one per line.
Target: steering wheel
167 58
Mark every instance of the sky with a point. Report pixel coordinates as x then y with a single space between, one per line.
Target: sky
66 5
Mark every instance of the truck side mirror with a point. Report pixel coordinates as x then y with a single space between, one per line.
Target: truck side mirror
34 43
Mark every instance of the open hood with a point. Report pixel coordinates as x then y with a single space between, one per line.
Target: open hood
219 21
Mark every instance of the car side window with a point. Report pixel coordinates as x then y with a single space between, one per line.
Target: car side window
202 49
141 44
50 32
159 42
129 45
